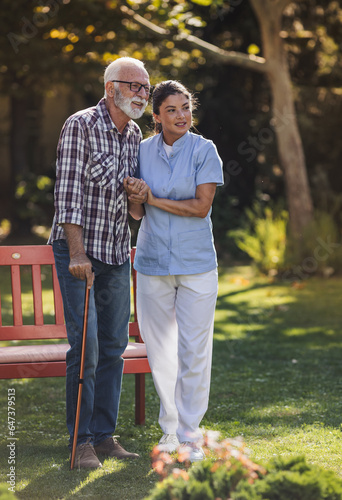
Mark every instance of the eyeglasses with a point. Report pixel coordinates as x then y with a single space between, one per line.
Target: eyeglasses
136 87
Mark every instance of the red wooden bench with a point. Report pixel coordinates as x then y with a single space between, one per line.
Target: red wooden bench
48 359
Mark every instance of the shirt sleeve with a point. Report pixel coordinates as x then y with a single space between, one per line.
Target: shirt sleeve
137 171
72 158
209 167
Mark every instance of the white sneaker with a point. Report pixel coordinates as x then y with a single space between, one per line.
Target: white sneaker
168 443
196 453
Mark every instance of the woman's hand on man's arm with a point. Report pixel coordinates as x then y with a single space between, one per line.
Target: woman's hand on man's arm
136 190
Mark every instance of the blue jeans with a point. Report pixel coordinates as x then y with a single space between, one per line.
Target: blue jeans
107 338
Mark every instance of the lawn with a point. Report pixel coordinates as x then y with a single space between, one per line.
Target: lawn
276 381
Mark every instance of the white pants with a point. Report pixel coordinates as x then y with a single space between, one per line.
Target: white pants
176 319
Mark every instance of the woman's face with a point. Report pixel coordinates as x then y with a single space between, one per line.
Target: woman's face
175 117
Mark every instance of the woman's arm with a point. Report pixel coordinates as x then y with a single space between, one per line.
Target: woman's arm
194 207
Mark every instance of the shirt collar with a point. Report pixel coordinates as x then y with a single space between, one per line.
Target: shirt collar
181 141
107 122
177 144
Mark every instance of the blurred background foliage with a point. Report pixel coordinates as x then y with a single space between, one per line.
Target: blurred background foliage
54 46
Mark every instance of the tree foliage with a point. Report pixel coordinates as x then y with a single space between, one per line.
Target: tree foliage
51 43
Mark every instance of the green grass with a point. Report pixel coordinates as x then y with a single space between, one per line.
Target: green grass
276 381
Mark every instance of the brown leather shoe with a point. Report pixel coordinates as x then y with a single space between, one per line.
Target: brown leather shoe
85 457
112 448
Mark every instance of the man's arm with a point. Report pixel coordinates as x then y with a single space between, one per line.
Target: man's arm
137 211
80 266
136 190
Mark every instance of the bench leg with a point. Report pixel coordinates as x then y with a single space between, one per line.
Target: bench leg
140 398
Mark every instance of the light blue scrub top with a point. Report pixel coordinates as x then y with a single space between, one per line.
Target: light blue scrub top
170 244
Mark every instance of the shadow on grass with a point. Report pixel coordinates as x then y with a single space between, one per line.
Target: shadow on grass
277 357
42 457
222 298
122 480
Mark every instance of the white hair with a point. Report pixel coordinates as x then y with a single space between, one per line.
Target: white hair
112 71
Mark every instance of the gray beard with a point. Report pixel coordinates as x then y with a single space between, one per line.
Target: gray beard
124 103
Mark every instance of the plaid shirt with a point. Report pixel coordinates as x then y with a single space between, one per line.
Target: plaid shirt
92 161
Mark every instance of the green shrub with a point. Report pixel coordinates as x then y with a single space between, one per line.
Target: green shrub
245 491
294 478
230 474
170 488
221 479
210 479
205 481
198 490
264 238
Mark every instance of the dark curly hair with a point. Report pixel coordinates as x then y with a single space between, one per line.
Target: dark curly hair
162 91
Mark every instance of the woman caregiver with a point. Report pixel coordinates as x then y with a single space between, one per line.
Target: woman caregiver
176 262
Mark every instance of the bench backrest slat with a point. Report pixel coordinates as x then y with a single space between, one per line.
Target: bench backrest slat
37 295
16 295
26 255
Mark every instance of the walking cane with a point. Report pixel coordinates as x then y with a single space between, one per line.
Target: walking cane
80 380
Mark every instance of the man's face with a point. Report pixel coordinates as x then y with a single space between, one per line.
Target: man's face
133 104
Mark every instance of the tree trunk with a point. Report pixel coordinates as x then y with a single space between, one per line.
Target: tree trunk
290 150
290 147
19 159
18 138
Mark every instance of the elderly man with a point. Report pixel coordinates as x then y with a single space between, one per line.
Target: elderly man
90 235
